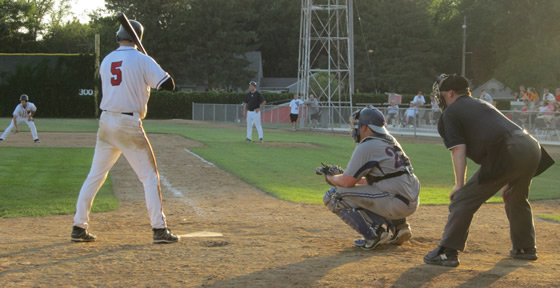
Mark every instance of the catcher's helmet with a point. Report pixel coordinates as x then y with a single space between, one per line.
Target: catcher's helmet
369 116
122 34
24 97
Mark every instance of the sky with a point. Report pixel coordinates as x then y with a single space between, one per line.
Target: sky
81 8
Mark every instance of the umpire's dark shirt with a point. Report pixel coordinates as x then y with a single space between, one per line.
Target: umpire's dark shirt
475 123
253 100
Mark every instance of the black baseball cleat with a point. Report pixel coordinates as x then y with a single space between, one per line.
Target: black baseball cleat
164 236
37 140
81 235
248 140
261 140
525 253
1 139
442 256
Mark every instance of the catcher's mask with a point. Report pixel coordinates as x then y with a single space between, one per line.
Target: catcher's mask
446 82
369 116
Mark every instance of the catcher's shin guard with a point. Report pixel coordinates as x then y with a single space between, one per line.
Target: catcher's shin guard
355 220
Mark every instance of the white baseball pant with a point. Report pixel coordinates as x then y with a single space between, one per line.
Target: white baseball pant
254 117
30 124
120 133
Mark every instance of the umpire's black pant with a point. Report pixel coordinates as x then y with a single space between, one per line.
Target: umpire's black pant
525 155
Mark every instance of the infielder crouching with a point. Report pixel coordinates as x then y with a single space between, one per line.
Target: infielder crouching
24 112
378 189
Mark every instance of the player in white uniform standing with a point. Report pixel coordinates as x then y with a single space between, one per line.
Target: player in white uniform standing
24 112
126 76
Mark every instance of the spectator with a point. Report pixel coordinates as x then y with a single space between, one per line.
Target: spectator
524 115
413 111
409 116
313 110
393 113
516 96
557 95
532 93
545 114
435 112
486 97
548 96
294 110
522 92
556 117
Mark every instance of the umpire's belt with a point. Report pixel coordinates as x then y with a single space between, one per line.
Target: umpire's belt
124 113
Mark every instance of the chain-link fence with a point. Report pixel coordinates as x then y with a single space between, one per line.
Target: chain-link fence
402 121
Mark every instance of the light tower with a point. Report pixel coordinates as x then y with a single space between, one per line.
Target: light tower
326 55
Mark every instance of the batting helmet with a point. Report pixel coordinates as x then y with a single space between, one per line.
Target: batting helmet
369 116
24 97
122 34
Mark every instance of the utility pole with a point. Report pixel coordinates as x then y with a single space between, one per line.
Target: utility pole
464 44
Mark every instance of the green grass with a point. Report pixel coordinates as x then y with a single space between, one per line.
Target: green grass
550 217
284 171
46 181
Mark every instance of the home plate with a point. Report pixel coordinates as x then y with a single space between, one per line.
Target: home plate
202 234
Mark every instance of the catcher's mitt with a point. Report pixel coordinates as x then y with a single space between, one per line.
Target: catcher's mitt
327 169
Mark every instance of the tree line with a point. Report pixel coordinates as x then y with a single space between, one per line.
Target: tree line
400 45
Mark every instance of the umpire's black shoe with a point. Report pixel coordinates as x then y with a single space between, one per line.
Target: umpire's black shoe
442 256
525 254
81 235
164 236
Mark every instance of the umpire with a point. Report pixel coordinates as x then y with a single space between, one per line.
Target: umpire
508 157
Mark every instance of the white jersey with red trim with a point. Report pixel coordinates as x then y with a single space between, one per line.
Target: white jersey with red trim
24 112
126 77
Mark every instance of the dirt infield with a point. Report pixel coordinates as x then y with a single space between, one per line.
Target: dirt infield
266 242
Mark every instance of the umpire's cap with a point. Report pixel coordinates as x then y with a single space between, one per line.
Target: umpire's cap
24 97
371 117
454 82
122 34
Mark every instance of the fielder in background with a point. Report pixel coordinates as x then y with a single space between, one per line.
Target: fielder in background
252 106
294 110
126 78
509 158
378 189
24 112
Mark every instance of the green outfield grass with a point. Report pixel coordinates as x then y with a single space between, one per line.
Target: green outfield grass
283 168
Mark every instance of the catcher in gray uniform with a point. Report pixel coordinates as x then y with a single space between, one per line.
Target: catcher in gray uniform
378 189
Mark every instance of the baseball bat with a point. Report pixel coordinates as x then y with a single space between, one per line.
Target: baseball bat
126 25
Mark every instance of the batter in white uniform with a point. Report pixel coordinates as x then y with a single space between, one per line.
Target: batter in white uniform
126 76
24 112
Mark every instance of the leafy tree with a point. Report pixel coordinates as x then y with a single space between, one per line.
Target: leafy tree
400 42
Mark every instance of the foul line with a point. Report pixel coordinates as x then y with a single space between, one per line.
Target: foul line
178 193
201 159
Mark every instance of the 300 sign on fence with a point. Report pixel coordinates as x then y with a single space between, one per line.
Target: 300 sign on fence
85 92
